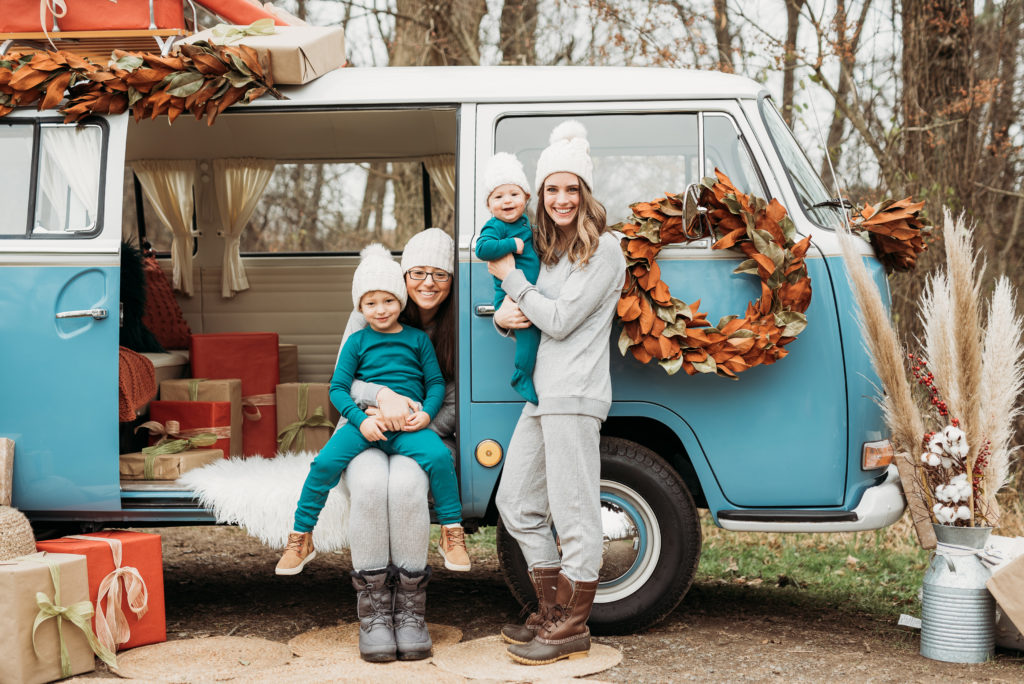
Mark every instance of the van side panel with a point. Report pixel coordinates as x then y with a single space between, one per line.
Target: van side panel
59 398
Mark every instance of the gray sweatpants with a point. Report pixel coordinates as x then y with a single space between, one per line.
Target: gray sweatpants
389 518
552 474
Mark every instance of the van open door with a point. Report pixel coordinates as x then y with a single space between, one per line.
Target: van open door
60 235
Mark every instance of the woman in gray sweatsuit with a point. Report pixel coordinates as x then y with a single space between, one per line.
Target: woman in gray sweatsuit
552 471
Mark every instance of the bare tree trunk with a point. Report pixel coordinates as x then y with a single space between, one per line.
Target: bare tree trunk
518 39
723 37
789 59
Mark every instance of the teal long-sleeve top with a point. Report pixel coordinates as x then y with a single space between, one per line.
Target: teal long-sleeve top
497 239
403 361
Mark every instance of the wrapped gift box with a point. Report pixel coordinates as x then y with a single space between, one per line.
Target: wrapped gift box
239 11
194 418
104 15
166 466
287 363
252 358
193 389
305 416
298 54
6 470
20 580
22 16
136 550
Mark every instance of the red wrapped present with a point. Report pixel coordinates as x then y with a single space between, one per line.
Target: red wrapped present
193 418
104 15
23 16
126 584
240 11
251 357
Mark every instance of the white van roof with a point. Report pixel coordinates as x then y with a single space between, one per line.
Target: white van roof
508 84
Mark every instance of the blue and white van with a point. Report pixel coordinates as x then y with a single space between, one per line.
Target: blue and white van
794 446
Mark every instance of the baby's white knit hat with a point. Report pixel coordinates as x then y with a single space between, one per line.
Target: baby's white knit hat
504 168
432 247
569 151
378 270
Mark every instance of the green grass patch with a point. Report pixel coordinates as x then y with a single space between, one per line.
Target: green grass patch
878 572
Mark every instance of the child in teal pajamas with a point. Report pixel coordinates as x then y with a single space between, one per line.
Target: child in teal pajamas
509 232
401 358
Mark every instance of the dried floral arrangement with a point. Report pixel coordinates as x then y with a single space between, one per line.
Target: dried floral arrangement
896 231
951 405
203 79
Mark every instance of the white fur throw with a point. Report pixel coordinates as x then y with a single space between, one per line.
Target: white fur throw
259 495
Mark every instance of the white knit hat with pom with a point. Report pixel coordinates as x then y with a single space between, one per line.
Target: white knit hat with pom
569 151
378 270
431 247
504 169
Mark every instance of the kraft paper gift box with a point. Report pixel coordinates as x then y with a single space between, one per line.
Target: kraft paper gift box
202 389
1007 587
63 580
298 54
126 584
143 466
193 418
252 358
6 470
104 15
287 363
305 416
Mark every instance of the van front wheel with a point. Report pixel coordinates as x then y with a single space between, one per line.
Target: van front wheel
652 541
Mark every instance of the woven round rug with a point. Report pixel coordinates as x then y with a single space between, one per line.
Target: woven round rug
342 640
207 659
487 658
320 670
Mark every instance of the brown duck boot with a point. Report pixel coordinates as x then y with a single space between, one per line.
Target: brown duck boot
564 633
545 582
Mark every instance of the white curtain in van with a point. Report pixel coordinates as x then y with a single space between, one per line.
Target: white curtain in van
240 184
71 159
168 185
441 168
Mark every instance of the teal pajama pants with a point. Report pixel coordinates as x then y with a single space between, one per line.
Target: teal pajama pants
422 446
527 342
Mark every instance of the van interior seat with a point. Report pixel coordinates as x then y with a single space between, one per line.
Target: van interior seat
169 366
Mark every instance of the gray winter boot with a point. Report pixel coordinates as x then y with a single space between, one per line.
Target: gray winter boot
410 607
374 604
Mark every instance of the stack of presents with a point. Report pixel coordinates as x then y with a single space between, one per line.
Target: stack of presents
297 52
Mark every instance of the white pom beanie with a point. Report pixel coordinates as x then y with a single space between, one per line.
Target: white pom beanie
432 247
377 270
504 169
568 151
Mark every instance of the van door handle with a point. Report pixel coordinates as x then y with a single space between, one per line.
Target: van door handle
484 309
98 314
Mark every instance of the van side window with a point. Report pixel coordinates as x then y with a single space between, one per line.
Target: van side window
68 180
16 151
638 157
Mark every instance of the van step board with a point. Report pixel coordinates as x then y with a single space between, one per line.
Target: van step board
136 502
790 516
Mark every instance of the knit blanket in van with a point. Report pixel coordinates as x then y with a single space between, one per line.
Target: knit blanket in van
260 494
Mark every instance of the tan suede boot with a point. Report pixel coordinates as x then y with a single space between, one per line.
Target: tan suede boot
545 583
564 633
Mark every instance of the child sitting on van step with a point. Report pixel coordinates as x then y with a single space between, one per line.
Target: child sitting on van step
402 358
509 232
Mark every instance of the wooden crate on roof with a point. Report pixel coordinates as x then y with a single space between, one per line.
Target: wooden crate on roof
95 45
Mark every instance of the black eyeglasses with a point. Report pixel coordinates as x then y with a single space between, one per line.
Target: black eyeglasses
438 276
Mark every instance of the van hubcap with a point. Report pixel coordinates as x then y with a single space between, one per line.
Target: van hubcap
632 542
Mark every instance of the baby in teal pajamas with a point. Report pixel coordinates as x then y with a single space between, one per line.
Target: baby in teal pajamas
402 358
509 232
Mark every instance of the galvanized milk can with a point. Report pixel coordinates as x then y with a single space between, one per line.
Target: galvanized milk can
957 610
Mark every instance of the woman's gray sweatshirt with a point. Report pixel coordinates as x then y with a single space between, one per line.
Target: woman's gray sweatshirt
573 307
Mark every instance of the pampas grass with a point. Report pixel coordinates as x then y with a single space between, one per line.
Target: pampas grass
938 345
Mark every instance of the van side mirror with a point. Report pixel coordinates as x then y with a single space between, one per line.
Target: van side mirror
695 223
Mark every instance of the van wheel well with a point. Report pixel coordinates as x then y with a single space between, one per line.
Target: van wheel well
661 440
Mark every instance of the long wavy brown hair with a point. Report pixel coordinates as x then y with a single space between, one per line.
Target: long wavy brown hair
552 242
442 333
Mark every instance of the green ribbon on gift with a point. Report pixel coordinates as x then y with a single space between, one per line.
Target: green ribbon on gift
294 434
193 388
170 443
226 34
79 614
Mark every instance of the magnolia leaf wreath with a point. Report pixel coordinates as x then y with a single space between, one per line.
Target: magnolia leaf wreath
896 230
657 325
203 79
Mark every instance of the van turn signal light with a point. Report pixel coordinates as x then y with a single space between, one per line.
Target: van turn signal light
876 455
488 453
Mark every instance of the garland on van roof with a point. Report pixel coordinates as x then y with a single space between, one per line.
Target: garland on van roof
203 79
657 325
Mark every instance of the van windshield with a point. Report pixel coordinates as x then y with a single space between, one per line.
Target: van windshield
809 189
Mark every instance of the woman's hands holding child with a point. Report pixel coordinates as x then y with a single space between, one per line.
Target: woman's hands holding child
510 317
394 409
372 429
416 421
500 268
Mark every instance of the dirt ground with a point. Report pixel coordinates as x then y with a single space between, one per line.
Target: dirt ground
218 581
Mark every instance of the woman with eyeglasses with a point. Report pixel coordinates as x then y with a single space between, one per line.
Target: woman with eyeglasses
389 518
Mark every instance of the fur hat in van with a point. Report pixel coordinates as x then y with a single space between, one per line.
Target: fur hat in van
569 150
378 270
504 169
431 247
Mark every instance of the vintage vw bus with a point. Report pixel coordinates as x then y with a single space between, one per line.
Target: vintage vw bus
789 447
